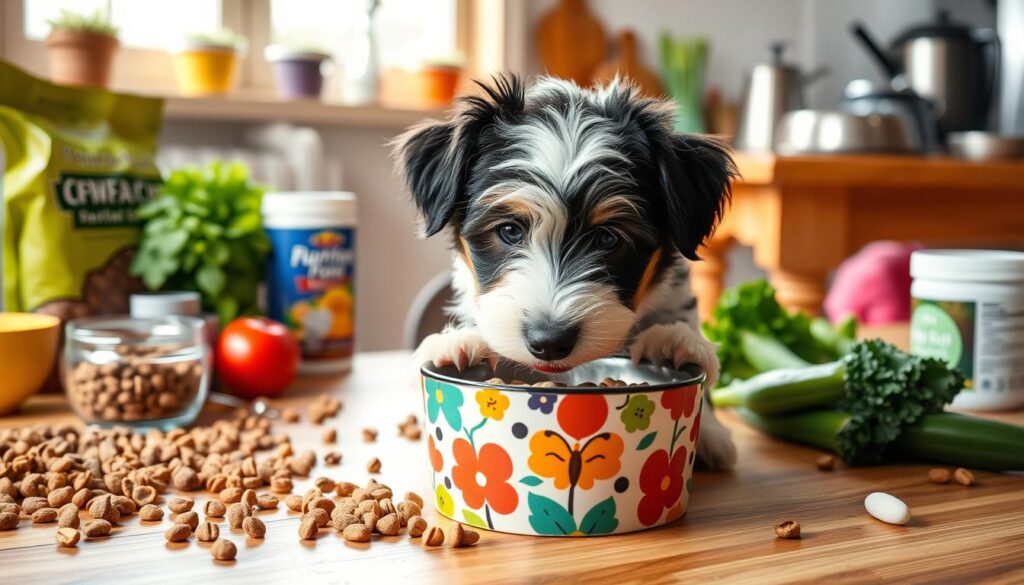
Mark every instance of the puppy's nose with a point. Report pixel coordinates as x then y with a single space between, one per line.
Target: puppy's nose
551 341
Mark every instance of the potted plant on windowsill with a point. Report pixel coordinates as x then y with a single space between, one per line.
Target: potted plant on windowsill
81 48
207 63
298 69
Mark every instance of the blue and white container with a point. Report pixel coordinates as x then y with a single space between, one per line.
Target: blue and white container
311 276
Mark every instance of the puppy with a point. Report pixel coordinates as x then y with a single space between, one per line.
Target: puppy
572 214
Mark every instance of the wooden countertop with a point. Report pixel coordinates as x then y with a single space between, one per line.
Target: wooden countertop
958 534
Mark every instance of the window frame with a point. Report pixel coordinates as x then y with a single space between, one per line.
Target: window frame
490 33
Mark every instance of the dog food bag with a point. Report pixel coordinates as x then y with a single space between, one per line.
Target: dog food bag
80 161
310 284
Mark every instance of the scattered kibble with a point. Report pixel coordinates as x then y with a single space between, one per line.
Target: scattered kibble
44 516
214 509
178 533
254 527
369 435
332 458
179 505
459 536
96 528
236 513
151 513
826 462
939 475
416 526
308 529
356 533
224 550
434 536
330 436
9 520
963 476
67 516
789 530
190 518
290 415
374 465
207 532
68 537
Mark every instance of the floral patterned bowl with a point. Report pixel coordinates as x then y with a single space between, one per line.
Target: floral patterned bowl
566 461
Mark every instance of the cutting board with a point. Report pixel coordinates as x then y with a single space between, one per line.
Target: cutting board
571 41
626 63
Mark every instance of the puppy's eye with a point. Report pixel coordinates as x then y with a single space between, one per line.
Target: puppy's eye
606 240
510 233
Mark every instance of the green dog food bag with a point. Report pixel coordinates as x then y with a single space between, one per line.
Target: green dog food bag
80 161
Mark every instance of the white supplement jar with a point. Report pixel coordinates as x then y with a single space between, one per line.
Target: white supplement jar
310 278
967 308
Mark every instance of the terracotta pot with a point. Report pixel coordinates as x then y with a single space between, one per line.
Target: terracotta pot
81 58
439 83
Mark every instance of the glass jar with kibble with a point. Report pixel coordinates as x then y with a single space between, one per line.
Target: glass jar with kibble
149 373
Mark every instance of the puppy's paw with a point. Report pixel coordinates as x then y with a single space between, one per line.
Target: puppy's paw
679 343
715 448
462 348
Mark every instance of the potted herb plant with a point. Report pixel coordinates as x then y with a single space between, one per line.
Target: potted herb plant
81 48
207 63
298 69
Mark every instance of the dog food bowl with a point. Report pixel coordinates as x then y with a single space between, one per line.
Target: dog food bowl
563 461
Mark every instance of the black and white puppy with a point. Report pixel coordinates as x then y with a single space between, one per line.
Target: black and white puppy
572 214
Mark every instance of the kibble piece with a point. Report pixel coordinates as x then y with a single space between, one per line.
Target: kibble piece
124 505
372 506
308 528
281 485
207 532
790 530
459 536
10 507
963 476
143 494
345 488
290 415
96 528
151 513
214 509
254 527
102 508
414 498
60 496
416 526
330 436
332 458
939 475
9 520
381 493
388 525
370 520
44 516
178 533
369 435
341 521
408 509
191 518
236 513
434 536
294 502
248 498
826 462
68 536
224 550
67 516
179 505
267 502
319 515
231 495
186 479
30 504
374 465
356 533
887 508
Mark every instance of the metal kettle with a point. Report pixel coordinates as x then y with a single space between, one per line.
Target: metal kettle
770 90
953 65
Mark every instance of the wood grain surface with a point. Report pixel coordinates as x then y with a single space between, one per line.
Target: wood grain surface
958 534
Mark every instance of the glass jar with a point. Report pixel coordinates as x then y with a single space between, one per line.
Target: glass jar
138 372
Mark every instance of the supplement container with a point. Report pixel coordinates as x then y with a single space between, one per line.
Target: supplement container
310 281
140 372
967 308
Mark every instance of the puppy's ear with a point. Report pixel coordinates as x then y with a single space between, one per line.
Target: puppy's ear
435 157
694 173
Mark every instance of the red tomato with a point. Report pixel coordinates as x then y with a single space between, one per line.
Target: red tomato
257 357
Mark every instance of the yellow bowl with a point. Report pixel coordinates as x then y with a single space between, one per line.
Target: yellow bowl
28 346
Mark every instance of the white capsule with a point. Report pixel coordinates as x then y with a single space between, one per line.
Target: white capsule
887 508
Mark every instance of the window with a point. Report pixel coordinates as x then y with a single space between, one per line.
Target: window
146 24
408 31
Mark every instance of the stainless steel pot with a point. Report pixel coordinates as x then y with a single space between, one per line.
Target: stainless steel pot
951 64
770 90
918 113
827 132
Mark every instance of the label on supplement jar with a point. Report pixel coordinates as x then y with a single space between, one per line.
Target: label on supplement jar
310 288
982 339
